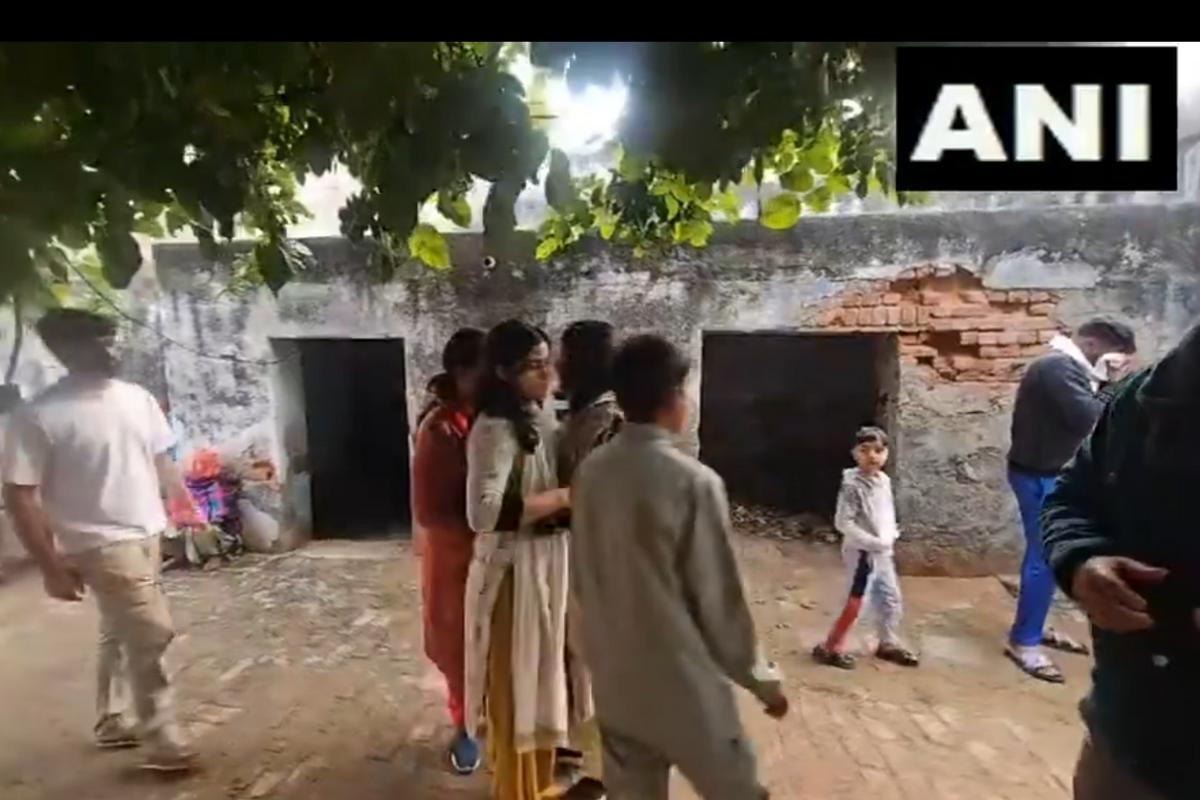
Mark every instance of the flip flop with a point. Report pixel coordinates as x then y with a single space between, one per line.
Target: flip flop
1063 643
832 658
1036 665
897 655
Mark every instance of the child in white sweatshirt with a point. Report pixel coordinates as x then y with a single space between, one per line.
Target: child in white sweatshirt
866 518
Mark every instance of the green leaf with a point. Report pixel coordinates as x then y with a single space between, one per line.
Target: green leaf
61 292
799 179
398 212
176 219
729 204
454 207
781 211
547 247
630 167
672 206
695 232
606 221
913 198
819 199
56 262
272 265
820 161
837 184
121 257
560 192
148 226
821 155
427 244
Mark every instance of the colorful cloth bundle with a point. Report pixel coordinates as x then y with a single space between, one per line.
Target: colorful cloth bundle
214 497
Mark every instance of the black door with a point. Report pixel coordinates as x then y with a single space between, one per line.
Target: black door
779 412
354 395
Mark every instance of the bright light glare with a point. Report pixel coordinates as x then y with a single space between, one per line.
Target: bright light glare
584 122
581 122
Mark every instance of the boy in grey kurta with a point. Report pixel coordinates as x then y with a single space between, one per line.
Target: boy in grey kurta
665 621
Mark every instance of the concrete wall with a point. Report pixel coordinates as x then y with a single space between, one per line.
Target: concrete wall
1136 262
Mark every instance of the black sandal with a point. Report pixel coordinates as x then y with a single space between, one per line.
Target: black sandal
832 658
897 655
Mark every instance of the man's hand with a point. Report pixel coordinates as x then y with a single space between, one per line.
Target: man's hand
63 583
1103 588
774 700
1116 367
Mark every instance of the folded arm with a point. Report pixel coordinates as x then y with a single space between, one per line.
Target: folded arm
846 520
491 456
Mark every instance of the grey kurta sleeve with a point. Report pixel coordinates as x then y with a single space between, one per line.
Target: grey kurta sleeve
714 587
491 450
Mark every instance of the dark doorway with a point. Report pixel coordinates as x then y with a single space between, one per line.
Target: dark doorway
357 419
779 411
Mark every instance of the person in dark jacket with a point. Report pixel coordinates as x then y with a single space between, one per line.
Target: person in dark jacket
1119 532
1060 397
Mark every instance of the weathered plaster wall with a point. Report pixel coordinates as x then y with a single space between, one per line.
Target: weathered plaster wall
1138 262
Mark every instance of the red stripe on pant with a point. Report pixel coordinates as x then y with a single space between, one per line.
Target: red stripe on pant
845 621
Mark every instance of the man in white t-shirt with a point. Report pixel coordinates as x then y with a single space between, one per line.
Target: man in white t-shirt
85 468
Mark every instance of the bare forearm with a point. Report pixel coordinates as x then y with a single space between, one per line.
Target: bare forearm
170 479
32 528
544 504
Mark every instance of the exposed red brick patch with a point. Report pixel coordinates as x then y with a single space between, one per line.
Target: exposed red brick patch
949 322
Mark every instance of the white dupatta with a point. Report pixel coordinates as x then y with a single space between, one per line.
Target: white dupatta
539 567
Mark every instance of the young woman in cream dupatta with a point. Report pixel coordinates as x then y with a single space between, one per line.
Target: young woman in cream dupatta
517 585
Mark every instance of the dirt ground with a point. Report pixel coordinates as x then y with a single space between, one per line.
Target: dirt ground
302 676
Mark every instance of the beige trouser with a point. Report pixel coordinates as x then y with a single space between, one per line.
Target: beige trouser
135 629
1099 777
722 770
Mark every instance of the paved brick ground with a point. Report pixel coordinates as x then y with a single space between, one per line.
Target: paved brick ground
302 677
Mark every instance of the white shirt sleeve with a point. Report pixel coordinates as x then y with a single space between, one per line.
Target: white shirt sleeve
26 451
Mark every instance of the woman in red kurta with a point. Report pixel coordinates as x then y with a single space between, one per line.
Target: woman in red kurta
439 502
